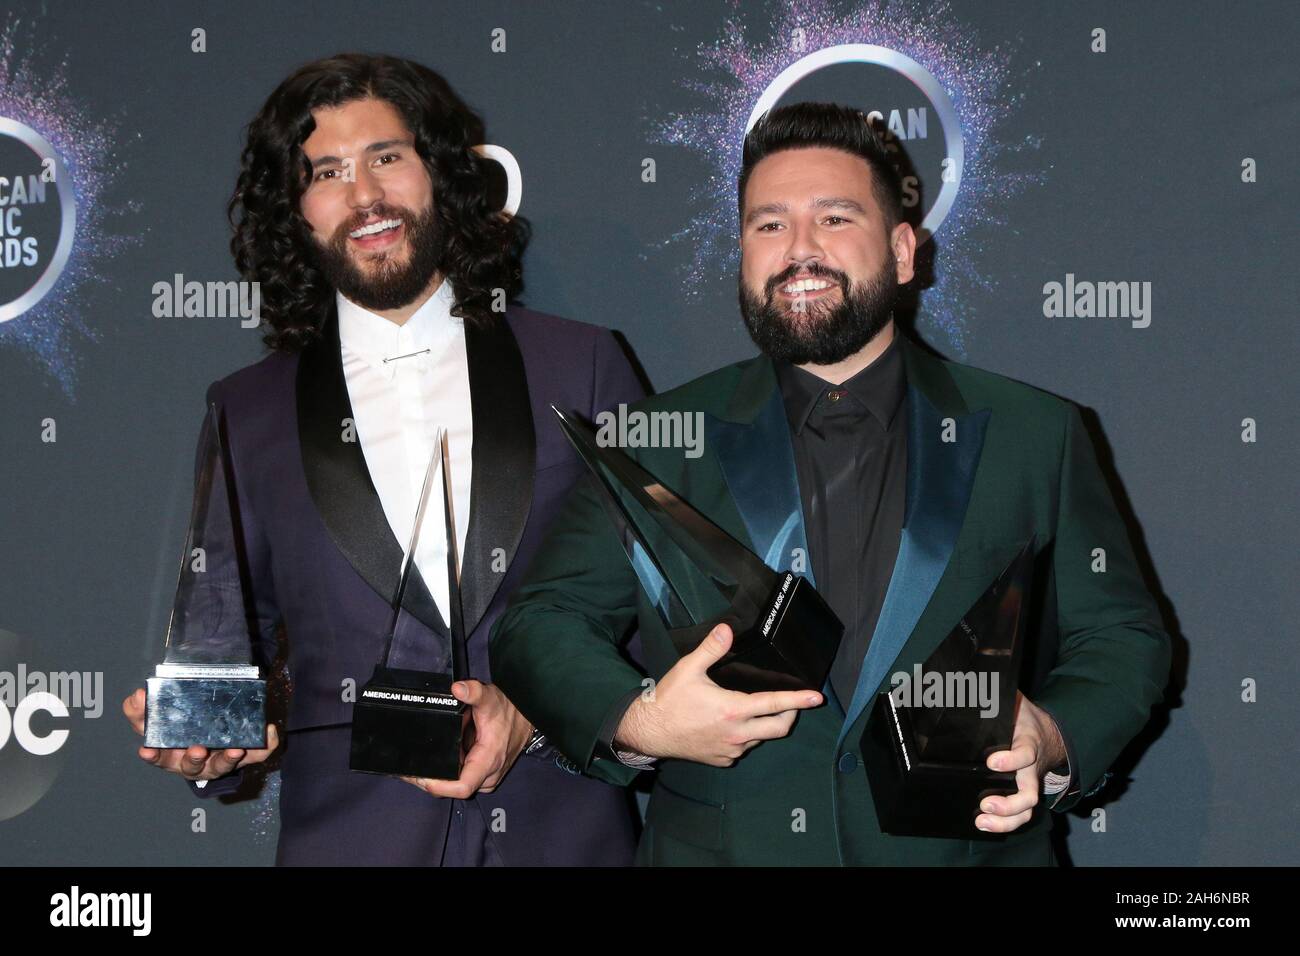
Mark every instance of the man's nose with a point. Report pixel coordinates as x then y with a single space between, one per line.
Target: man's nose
365 190
804 247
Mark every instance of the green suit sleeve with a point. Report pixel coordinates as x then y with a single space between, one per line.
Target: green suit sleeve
555 652
1114 654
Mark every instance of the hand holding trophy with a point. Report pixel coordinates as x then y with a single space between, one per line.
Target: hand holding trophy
785 635
203 714
207 692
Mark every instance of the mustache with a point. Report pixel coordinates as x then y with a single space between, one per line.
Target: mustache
815 270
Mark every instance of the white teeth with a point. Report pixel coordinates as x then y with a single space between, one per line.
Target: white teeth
382 226
805 285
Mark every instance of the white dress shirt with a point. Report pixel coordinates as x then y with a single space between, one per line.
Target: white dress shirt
405 382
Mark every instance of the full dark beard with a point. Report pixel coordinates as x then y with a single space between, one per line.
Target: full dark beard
390 285
822 334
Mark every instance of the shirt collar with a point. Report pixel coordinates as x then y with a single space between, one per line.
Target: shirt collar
374 338
880 387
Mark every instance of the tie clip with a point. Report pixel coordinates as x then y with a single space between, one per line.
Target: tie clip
407 355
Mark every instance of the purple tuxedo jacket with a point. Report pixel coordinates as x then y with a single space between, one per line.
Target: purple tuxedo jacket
322 561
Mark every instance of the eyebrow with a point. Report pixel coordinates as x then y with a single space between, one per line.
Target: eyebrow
822 202
372 148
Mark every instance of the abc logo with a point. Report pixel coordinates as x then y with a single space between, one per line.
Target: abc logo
33 730
18 724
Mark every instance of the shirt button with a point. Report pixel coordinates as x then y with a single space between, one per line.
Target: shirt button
848 763
835 395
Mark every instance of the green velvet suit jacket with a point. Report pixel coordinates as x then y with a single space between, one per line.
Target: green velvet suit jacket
991 462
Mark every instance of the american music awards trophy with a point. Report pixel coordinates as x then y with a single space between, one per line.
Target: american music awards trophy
207 692
406 722
926 763
697 575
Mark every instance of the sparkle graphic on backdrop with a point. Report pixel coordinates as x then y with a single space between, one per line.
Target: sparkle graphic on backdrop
52 330
738 68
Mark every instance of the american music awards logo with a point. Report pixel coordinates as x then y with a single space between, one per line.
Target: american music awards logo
909 109
59 161
38 218
935 93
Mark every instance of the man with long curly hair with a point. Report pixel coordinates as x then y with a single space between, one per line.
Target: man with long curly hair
363 211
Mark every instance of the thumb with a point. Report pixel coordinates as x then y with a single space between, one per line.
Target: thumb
467 691
710 650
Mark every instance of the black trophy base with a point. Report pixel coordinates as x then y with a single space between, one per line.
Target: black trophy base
216 706
407 723
790 647
917 798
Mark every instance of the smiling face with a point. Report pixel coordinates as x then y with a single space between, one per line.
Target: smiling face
370 205
819 271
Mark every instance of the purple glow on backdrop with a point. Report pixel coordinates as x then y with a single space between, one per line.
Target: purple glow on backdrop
734 70
52 331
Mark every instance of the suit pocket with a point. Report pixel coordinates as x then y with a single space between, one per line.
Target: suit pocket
685 819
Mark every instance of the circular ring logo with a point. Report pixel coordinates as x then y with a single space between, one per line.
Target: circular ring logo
920 78
38 218
514 175
33 731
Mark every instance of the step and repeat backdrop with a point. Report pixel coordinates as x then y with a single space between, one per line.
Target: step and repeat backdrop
1106 197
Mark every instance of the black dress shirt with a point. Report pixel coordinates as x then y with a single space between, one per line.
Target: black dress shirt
850 454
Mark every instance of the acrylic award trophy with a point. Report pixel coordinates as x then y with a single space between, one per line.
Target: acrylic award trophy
406 722
785 635
207 692
926 758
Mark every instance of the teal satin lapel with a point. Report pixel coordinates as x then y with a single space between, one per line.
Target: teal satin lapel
939 479
757 463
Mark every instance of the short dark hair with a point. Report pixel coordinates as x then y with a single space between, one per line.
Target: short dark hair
801 125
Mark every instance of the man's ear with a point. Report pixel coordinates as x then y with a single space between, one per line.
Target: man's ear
903 243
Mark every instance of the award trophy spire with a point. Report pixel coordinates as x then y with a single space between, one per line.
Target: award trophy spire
407 722
207 691
786 635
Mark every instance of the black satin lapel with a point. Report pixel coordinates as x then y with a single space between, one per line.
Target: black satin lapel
501 487
338 479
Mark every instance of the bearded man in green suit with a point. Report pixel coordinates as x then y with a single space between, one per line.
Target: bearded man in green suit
901 485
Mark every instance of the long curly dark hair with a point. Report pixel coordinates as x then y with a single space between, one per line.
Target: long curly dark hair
272 241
